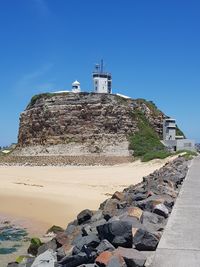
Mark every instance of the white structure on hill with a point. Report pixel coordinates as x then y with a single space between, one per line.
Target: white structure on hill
171 140
76 87
102 80
169 129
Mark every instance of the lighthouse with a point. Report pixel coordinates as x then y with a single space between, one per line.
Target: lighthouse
102 80
76 87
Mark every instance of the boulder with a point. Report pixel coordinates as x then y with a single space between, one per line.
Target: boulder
97 215
110 209
91 241
55 229
75 260
118 195
35 244
138 196
132 257
144 240
150 203
108 259
161 210
153 222
64 251
118 233
105 245
135 212
46 259
52 244
71 228
61 239
104 258
84 216
116 261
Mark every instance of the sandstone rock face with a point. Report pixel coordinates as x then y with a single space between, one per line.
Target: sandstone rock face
81 124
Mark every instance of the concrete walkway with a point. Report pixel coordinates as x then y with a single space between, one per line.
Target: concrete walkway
180 243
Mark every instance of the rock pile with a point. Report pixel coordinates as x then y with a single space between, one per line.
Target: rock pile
125 230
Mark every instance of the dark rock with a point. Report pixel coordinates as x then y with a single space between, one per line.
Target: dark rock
110 208
105 245
75 260
122 205
88 265
153 222
150 203
84 216
91 241
97 223
130 219
52 244
118 233
86 229
161 210
144 240
55 229
138 196
92 227
61 253
132 257
13 264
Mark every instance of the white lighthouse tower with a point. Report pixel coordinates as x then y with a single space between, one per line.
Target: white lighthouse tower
76 87
102 80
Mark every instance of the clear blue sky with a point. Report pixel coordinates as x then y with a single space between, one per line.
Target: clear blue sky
152 48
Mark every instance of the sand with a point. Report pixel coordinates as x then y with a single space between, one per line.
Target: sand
55 195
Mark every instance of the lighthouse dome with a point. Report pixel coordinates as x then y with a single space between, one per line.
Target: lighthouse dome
76 83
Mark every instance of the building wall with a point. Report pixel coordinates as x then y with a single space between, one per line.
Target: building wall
185 144
169 130
101 85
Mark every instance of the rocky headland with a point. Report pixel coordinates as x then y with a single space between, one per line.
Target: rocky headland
125 231
83 124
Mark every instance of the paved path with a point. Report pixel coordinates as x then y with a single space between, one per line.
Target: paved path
180 243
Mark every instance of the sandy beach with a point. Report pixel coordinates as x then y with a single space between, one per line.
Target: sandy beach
55 195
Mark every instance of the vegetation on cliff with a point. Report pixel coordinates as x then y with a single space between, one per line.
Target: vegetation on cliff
145 143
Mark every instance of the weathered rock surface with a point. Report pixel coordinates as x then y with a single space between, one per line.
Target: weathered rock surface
82 124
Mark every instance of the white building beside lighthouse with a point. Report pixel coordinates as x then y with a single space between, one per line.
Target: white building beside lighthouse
102 80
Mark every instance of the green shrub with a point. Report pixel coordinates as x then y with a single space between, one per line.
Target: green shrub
156 155
146 139
188 154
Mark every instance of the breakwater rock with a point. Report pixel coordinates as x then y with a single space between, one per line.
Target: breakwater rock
124 232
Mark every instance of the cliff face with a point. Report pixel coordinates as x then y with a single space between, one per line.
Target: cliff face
83 123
